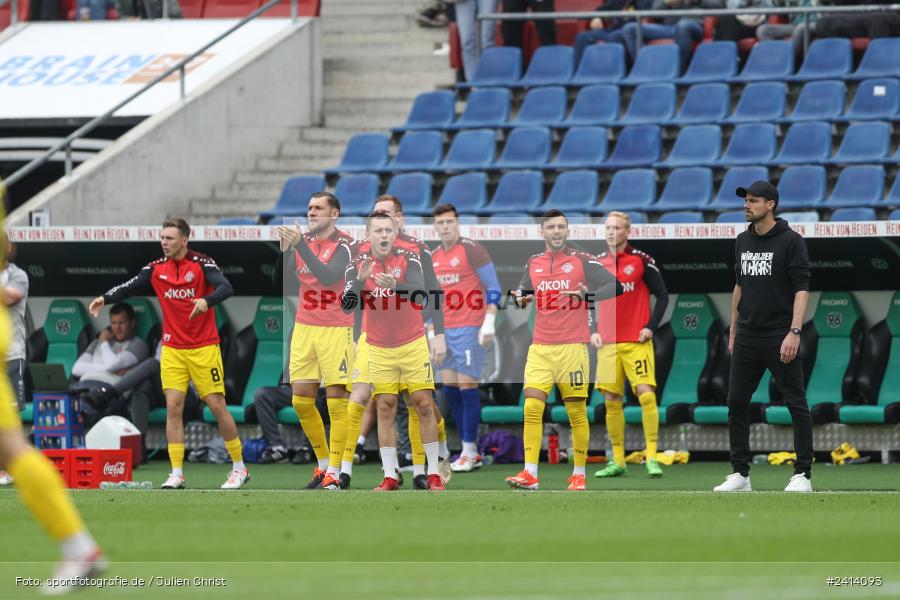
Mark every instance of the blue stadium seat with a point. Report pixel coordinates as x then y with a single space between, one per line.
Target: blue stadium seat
768 61
581 218
736 177
417 151
859 185
237 221
550 65
732 216
636 217
594 105
542 106
895 215
828 58
893 197
357 193
353 220
467 192
696 145
630 189
526 148
713 61
582 148
574 191
818 101
806 216
414 190
864 142
637 146
760 101
600 63
468 220
364 152
431 110
703 103
802 187
751 143
880 59
471 150
650 103
688 188
808 142
484 108
517 192
855 213
653 64
681 216
295 196
414 219
499 66
874 99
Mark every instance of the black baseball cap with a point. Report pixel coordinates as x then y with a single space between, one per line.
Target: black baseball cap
760 188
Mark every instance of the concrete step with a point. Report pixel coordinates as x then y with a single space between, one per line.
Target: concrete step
216 207
290 165
350 8
238 191
364 122
383 23
405 80
332 135
359 92
376 107
388 64
363 39
269 178
311 150
387 49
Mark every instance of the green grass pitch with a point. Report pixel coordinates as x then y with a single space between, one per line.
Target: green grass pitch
631 537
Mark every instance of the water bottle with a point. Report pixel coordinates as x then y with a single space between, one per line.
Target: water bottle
146 485
487 460
760 459
553 448
107 485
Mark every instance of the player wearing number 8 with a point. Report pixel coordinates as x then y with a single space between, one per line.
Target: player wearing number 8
624 342
187 285
564 284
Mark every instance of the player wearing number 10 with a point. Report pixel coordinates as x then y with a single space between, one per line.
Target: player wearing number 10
187 285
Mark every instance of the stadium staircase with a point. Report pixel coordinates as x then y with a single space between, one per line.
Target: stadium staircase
376 60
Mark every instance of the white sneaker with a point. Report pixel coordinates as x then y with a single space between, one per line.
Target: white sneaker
236 479
464 464
799 483
174 482
68 573
734 483
5 478
444 469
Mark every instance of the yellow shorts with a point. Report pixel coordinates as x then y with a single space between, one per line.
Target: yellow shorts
203 366
322 354
615 362
9 410
361 361
563 365
404 367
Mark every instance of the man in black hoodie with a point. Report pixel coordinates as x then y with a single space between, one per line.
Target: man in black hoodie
767 309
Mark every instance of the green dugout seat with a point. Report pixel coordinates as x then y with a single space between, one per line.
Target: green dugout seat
68 330
148 323
878 378
840 334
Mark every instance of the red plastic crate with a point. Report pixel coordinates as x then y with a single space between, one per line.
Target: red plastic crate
85 469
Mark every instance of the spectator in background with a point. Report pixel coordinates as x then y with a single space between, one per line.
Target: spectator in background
44 10
684 30
469 27
792 30
737 27
434 15
609 30
146 9
14 283
512 30
94 10
114 351
870 25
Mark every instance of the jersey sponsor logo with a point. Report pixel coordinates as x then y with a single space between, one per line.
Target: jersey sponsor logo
448 279
628 270
555 285
189 276
180 293
628 286
380 292
756 263
694 304
838 302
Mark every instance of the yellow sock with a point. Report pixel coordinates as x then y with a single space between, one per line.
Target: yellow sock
534 429
176 455
354 426
415 438
337 411
615 427
581 433
234 450
650 419
442 431
312 425
43 493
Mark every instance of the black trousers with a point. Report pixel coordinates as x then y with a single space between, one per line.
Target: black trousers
751 357
512 30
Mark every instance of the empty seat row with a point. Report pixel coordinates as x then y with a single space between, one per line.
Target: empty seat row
829 58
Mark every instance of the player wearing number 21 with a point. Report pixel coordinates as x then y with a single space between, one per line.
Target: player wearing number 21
564 284
187 285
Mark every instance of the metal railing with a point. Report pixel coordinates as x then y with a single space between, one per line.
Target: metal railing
688 13
66 143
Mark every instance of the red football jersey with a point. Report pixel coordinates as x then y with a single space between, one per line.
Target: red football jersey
621 319
465 302
319 303
394 320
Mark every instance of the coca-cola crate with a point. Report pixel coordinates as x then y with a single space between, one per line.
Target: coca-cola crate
85 469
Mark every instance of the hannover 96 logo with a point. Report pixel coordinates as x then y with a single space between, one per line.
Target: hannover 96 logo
690 321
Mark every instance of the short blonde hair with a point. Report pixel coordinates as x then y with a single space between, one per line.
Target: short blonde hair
621 215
